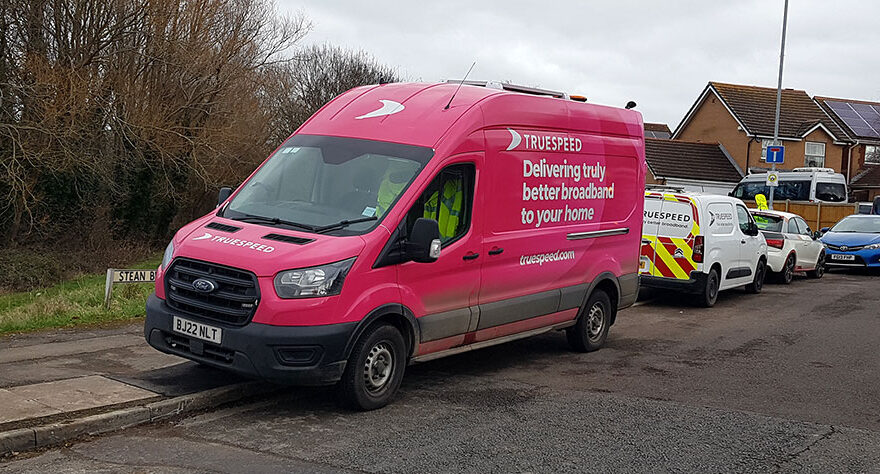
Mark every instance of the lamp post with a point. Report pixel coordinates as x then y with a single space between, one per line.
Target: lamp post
778 96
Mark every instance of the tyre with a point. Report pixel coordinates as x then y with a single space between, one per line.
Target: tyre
591 329
374 369
787 274
758 283
820 267
710 291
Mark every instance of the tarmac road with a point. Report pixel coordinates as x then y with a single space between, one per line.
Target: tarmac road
782 381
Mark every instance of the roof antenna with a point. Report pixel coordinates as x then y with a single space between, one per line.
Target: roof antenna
459 85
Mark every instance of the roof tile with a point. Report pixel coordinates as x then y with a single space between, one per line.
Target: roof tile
689 160
755 107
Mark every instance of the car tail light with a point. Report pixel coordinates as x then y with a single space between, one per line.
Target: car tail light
778 243
698 249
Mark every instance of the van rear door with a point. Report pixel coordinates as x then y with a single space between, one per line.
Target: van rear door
650 229
677 224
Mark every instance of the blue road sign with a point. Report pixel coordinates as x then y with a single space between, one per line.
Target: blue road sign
776 154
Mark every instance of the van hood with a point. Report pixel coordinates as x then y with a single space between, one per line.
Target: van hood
249 248
850 239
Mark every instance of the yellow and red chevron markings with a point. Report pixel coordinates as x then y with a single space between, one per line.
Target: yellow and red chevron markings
670 257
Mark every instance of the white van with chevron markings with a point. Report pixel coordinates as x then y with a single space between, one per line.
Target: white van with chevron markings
700 243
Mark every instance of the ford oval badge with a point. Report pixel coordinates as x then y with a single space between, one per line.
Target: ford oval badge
203 285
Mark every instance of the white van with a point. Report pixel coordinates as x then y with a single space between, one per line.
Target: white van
800 184
700 243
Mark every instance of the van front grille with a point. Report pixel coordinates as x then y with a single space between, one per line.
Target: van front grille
233 299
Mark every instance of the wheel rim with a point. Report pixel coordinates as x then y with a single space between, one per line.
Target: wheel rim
378 367
820 265
595 321
713 287
789 269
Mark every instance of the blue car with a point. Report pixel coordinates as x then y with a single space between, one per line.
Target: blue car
853 242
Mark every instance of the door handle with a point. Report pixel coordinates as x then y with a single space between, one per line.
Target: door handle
496 251
470 256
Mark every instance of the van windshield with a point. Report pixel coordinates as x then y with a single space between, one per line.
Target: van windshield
795 190
328 184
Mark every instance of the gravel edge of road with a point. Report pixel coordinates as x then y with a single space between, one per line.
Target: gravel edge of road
26 439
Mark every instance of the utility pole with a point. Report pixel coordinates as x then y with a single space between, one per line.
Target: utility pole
778 96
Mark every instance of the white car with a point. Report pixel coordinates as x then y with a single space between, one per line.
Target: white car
791 245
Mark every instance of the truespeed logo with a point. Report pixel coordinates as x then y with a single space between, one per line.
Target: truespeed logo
389 107
542 258
515 139
237 242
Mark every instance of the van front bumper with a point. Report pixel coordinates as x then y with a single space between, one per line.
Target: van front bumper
695 284
295 355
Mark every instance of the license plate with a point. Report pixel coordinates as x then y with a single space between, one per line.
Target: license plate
840 256
197 330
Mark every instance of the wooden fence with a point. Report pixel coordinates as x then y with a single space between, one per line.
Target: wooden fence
818 214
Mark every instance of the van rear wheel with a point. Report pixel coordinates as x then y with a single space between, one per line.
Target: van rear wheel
374 369
710 291
591 329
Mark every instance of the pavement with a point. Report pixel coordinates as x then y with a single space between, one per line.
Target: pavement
784 381
52 379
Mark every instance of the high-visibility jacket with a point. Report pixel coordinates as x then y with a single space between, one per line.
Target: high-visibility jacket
448 212
388 192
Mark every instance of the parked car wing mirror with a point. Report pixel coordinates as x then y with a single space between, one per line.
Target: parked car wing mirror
823 230
223 195
423 245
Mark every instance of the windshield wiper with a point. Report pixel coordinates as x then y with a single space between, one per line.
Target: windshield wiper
275 221
344 223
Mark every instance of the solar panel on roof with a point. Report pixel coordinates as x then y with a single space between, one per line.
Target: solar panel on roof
862 119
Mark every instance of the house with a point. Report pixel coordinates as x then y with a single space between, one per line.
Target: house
860 120
657 130
741 118
692 166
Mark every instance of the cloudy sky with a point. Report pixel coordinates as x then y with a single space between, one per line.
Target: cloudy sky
658 53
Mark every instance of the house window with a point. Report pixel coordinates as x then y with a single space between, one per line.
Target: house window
764 144
872 154
814 155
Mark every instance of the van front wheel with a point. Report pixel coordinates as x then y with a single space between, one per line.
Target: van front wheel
591 329
374 369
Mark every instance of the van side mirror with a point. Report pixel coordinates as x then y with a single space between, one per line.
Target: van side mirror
817 235
223 195
423 245
752 229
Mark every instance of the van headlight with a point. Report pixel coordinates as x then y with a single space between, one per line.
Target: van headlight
323 280
169 254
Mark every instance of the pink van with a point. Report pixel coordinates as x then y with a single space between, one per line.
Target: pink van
396 227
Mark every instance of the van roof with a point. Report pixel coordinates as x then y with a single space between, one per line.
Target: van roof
798 175
416 113
696 195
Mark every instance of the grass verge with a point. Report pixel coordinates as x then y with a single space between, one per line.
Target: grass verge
77 302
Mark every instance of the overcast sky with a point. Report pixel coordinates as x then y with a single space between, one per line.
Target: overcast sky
658 53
